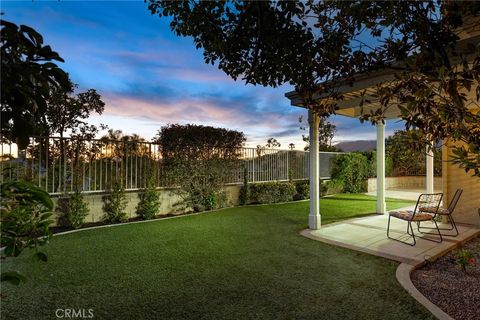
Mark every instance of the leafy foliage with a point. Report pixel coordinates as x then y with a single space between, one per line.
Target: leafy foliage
351 172
67 111
372 163
201 182
408 152
319 47
149 203
302 189
25 218
183 142
272 192
115 203
28 77
73 210
199 158
464 259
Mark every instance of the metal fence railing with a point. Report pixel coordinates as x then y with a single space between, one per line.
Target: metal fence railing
60 165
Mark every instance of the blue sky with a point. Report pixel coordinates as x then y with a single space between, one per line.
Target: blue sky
149 77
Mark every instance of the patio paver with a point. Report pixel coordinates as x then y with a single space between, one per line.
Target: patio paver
369 235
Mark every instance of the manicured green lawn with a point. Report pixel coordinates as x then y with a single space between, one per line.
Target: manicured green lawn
239 263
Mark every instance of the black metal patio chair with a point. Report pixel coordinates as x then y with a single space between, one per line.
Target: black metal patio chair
431 201
445 212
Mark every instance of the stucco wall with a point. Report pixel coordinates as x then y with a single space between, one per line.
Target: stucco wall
468 207
413 182
168 198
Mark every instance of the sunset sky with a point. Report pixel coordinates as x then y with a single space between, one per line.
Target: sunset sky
149 77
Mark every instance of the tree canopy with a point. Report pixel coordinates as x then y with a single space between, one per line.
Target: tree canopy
28 77
197 142
320 46
66 110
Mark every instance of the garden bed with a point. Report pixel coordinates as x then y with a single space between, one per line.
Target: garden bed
445 284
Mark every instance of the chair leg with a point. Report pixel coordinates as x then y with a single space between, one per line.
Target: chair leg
451 222
438 230
413 234
428 233
409 229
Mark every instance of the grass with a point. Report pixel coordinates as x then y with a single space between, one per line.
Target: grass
238 263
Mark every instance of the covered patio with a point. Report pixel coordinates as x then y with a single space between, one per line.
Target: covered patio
369 234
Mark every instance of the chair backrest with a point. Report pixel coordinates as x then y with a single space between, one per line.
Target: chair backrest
454 201
429 201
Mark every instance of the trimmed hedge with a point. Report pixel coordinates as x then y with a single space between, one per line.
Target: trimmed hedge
272 192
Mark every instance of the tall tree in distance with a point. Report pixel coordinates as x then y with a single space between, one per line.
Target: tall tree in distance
67 111
29 75
273 143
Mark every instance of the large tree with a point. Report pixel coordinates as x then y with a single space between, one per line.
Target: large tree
320 46
28 78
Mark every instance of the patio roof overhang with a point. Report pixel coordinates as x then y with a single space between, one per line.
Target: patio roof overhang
364 86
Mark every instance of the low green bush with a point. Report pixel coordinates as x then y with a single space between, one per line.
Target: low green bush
272 192
115 203
302 189
73 210
149 203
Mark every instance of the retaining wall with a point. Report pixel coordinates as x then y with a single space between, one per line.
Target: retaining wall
169 201
411 182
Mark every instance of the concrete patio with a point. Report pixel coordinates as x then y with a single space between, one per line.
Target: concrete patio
369 235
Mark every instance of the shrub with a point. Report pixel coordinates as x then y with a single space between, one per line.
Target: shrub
372 159
149 203
302 189
201 182
25 212
324 188
73 210
115 203
272 192
351 172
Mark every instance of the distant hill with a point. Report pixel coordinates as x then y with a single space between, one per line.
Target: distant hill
358 145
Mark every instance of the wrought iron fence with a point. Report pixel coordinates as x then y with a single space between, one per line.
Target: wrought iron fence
61 165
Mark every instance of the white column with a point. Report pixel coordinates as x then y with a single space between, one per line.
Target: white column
314 219
381 206
429 169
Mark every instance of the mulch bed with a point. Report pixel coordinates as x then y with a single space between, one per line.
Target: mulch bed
445 284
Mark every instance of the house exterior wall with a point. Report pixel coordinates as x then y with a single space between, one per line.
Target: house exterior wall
468 207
